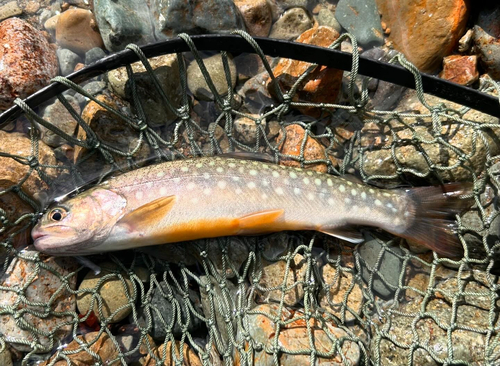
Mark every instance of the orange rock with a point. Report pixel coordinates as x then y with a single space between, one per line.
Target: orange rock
424 31
190 358
292 144
460 69
257 16
322 85
77 30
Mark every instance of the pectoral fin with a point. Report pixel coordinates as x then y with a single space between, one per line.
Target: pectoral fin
148 214
259 222
347 233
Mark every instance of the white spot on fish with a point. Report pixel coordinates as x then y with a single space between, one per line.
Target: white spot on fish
286 181
221 184
253 172
149 185
265 183
251 185
276 174
139 195
389 205
349 183
378 203
191 186
298 169
265 166
207 191
385 194
160 174
212 163
296 190
293 175
241 169
279 191
177 180
255 162
238 191
195 200
329 182
163 191
371 190
347 200
184 169
206 175
363 195
353 192
394 210
199 165
264 196
306 180
317 181
309 172
407 214
331 201
235 178
232 165
342 188
310 196
219 170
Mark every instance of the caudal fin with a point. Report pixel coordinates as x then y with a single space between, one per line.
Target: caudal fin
434 211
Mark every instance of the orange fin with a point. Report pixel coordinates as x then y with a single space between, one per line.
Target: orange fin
149 213
347 233
258 222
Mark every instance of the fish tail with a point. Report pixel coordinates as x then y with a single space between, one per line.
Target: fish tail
434 211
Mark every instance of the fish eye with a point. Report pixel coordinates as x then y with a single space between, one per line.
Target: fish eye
57 214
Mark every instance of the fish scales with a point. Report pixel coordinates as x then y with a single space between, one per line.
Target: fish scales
209 197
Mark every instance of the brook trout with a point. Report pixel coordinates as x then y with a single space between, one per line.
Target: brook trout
211 197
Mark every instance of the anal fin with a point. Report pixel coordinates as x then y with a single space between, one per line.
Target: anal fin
347 233
145 215
260 222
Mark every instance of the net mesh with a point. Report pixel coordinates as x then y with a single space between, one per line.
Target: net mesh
275 299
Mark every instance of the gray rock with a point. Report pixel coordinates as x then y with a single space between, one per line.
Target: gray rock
93 55
123 22
59 116
164 313
41 287
489 51
172 17
327 17
389 267
292 24
67 60
286 4
95 87
197 83
10 9
361 18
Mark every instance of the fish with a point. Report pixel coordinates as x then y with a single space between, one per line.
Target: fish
209 197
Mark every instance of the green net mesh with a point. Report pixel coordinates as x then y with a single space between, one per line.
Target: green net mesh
300 298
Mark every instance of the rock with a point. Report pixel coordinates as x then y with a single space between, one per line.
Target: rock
29 63
409 323
195 16
221 299
77 30
257 15
246 129
413 24
338 286
255 95
293 336
67 60
460 69
111 291
487 18
361 18
123 22
32 7
12 172
292 23
93 55
38 285
164 313
10 9
5 357
273 275
171 253
322 85
216 249
128 338
291 145
164 354
197 83
102 345
379 161
166 69
220 137
57 115
286 4
464 43
389 266
489 51
326 17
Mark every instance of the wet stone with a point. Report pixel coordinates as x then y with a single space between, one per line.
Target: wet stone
29 62
123 22
361 18
292 23
246 129
5 357
111 291
128 338
257 15
93 55
77 30
41 285
57 115
10 9
67 60
164 354
460 69
489 51
326 16
214 64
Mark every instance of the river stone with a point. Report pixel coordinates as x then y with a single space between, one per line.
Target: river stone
326 16
190 357
10 9
293 337
67 60
389 267
214 65
361 18
5 357
257 15
164 315
111 291
246 129
77 30
166 70
57 115
172 17
489 51
123 22
93 55
41 287
292 23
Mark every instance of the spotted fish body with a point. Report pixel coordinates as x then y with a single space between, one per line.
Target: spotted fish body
211 197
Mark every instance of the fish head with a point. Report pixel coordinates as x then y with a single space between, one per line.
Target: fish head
78 224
